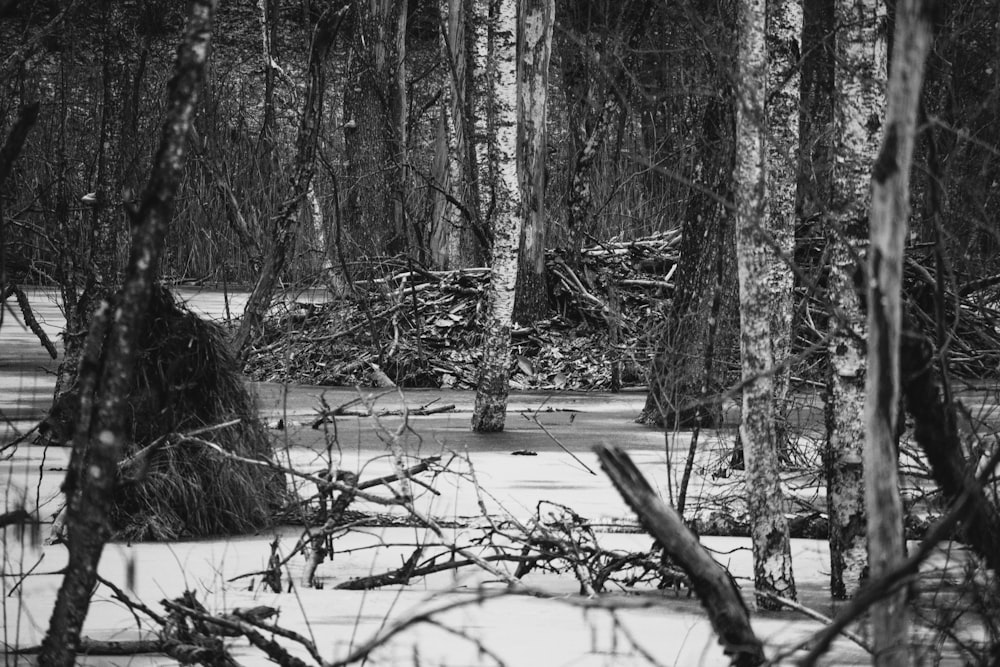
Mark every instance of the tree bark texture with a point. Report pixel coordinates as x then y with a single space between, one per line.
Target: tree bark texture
482 110
534 46
283 226
589 110
106 378
697 351
784 30
816 109
859 105
455 243
505 224
711 582
375 127
755 260
889 215
685 380
445 174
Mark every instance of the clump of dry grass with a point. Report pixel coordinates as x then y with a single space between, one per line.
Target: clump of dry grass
172 485
187 379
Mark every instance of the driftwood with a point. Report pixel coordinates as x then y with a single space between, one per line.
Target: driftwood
711 582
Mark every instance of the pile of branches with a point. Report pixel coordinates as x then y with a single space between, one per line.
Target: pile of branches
959 314
420 328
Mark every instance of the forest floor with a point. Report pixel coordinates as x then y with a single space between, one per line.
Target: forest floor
539 471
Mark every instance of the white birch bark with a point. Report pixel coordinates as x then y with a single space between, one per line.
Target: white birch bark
534 47
784 30
755 257
506 223
859 105
481 23
319 229
889 213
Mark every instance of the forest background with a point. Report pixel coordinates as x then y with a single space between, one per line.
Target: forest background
401 171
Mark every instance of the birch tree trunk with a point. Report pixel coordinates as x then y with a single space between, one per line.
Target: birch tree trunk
481 107
859 104
784 30
105 378
755 260
534 46
889 214
505 223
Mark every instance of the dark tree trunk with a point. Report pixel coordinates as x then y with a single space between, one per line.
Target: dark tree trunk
684 381
816 108
374 128
589 108
106 378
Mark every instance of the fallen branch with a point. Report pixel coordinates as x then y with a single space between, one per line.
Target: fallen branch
711 582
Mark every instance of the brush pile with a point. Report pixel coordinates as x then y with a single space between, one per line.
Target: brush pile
420 328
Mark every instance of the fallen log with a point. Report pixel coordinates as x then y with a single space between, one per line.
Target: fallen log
711 582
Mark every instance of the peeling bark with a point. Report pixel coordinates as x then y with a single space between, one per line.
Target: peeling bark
859 103
535 21
494 386
755 260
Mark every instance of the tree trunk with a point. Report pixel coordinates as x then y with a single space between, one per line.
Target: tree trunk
283 227
685 381
889 215
816 109
374 127
534 46
454 241
106 379
269 18
713 585
493 386
784 29
756 260
858 108
589 108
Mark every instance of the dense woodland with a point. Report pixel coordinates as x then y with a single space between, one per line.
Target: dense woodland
724 200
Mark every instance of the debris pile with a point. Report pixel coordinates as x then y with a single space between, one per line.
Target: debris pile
420 328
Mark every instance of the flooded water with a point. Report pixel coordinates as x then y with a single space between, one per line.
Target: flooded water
551 433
